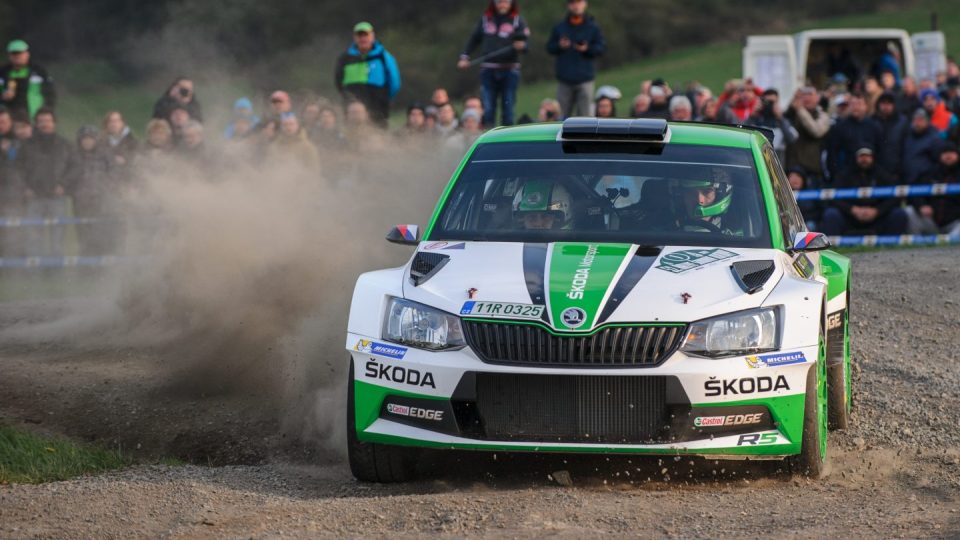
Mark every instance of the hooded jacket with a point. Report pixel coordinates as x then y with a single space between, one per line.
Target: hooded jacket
46 161
921 151
496 32
573 66
372 78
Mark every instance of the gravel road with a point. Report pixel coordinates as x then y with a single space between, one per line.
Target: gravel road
896 472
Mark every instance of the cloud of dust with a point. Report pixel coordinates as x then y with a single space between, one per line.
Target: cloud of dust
248 271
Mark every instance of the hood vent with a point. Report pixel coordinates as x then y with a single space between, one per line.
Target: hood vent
425 265
751 275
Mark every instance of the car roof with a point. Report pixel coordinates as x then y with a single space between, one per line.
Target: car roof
680 133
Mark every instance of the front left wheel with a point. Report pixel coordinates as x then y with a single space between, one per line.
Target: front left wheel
812 460
375 462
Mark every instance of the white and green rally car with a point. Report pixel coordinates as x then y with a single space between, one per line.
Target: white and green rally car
604 286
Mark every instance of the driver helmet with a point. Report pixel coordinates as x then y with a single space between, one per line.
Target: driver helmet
608 91
544 198
723 187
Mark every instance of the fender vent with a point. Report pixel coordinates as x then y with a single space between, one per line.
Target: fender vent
425 265
751 275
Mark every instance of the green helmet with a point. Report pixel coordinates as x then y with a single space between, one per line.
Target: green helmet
724 189
543 196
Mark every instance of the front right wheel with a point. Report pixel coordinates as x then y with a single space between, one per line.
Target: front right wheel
375 462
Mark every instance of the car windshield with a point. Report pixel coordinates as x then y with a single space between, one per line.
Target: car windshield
675 194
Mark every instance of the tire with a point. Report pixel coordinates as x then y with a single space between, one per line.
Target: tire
375 462
812 460
839 400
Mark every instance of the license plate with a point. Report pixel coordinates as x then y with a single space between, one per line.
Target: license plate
473 308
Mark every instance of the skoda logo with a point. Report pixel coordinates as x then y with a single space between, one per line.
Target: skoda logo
573 317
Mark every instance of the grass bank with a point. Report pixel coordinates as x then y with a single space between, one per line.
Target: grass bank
32 459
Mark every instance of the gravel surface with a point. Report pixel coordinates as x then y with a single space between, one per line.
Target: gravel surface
896 471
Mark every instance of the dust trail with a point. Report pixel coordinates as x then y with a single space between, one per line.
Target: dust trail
249 272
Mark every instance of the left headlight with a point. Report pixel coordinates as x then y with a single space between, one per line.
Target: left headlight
420 326
745 332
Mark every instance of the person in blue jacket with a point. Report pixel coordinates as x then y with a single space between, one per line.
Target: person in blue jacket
366 72
576 41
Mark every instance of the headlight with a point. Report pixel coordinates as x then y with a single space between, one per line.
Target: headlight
745 332
420 326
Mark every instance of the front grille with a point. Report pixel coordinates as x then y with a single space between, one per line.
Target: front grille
568 408
525 344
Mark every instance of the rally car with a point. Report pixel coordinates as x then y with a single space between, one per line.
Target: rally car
604 286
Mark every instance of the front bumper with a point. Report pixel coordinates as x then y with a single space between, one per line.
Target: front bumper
725 408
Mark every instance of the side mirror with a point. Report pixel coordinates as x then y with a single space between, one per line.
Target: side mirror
408 235
810 241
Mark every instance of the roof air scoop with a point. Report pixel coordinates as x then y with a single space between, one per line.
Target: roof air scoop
650 130
425 265
751 275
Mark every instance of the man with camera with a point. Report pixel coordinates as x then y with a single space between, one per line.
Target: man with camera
769 115
24 85
576 41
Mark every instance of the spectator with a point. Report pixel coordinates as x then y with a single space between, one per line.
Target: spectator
310 118
180 94
291 146
26 86
416 121
440 97
742 102
280 104
880 216
501 34
871 93
178 119
769 115
549 111
6 132
909 98
945 211
849 134
327 135
430 118
680 109
193 149
446 121
920 149
940 118
811 210
458 143
118 144
812 125
159 138
893 130
714 113
91 192
576 41
641 104
243 120
475 103
46 164
888 83
890 61
11 193
605 107
659 106
840 107
366 72
951 95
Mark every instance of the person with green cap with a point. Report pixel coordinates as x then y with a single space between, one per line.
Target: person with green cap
366 72
24 85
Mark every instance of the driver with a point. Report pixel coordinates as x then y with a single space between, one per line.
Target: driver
541 205
706 202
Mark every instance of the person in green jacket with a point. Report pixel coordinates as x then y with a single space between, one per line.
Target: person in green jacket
24 85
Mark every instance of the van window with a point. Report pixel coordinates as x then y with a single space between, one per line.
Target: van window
854 58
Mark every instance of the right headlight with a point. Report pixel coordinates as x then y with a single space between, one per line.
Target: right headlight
414 324
734 334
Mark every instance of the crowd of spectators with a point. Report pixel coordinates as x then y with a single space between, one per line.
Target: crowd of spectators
879 128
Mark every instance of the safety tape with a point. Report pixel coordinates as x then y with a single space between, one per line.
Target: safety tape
880 192
895 240
64 262
48 222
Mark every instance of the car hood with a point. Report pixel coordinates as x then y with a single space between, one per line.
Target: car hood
584 285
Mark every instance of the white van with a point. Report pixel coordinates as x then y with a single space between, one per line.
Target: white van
788 62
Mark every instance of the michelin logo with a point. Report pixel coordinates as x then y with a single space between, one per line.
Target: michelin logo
380 349
774 360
